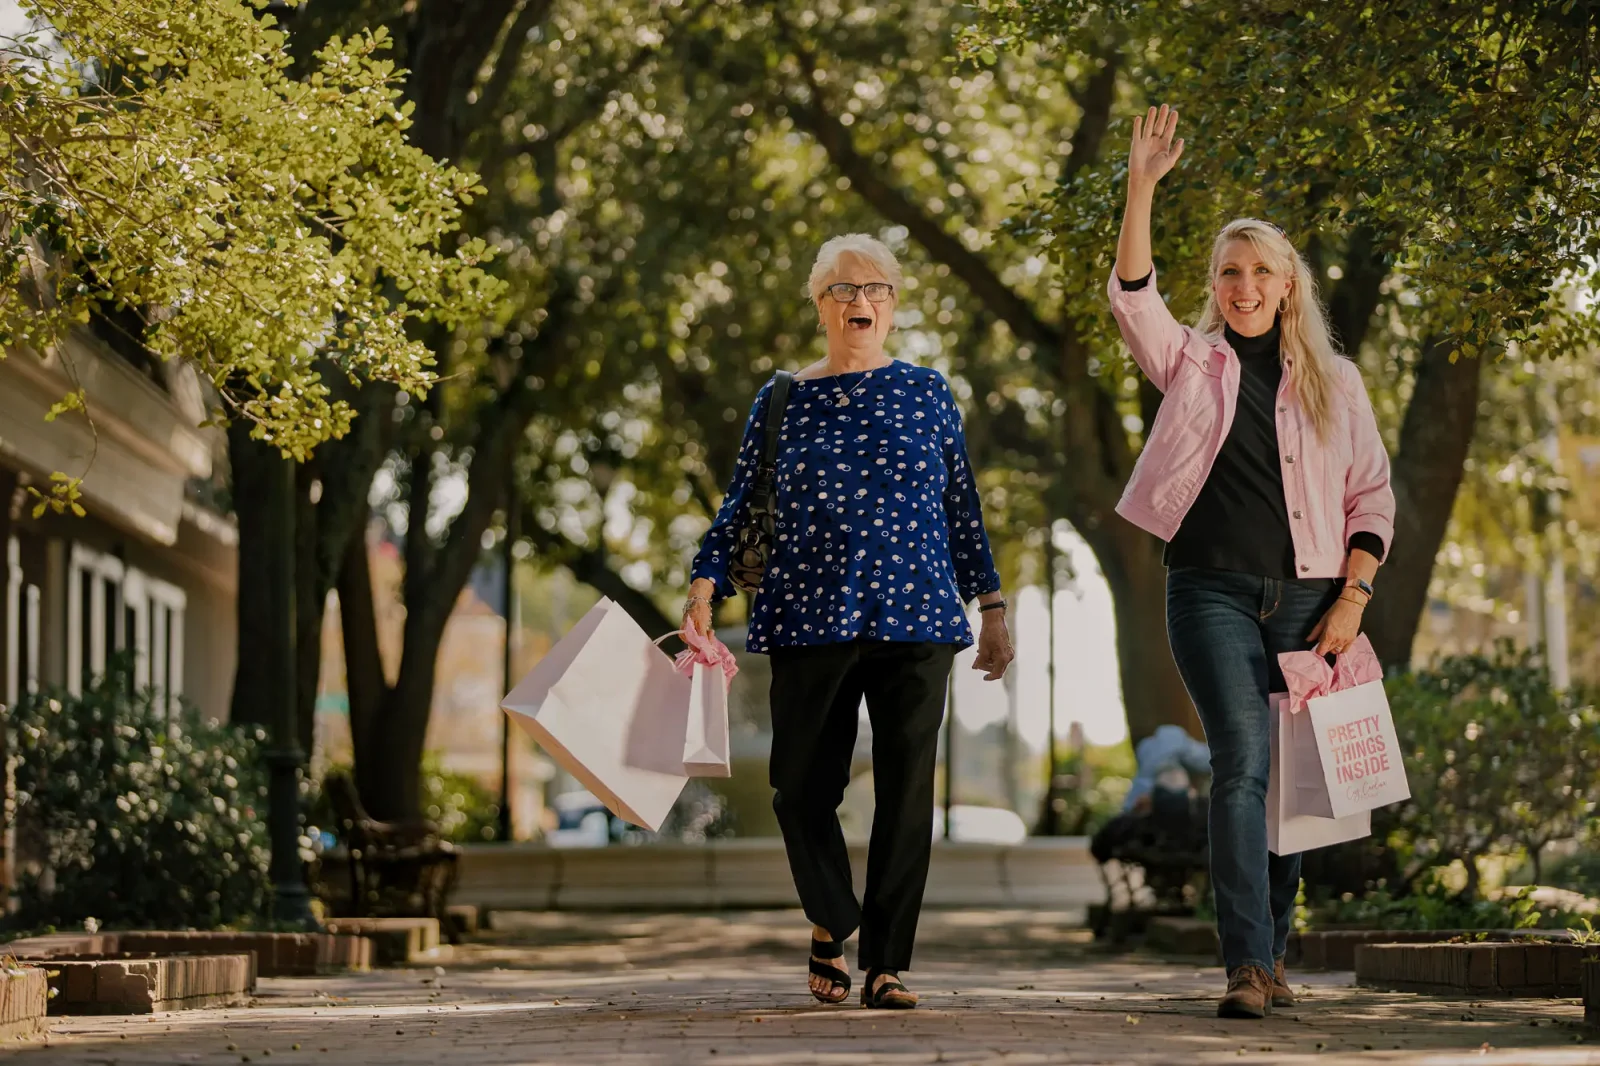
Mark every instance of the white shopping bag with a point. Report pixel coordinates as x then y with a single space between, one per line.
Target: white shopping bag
1289 831
1360 750
1347 715
705 741
611 709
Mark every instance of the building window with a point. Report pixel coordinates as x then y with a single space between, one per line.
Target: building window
113 608
22 633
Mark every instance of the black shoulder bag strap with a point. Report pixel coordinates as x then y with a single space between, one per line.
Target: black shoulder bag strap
766 472
753 543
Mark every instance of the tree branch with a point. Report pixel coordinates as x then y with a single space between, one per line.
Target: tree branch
1095 99
592 567
811 113
449 41
532 13
592 103
1355 298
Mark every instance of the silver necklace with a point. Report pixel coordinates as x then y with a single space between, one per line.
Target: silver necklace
844 397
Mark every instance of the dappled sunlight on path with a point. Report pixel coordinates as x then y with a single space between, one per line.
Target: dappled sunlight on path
998 986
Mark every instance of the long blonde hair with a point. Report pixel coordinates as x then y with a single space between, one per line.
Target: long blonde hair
1306 347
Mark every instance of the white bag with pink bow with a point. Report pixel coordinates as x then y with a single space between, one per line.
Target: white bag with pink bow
631 724
709 666
1348 755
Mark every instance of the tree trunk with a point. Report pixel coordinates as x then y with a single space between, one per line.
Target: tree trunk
8 489
1434 440
395 791
311 593
365 685
251 464
1153 693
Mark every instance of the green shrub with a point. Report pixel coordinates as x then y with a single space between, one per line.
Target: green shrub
1579 872
1497 760
1432 905
463 808
133 817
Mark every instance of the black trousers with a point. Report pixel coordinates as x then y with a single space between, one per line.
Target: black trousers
816 700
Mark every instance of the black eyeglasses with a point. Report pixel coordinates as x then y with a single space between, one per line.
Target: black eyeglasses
845 292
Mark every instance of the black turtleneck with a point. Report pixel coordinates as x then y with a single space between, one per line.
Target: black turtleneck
1240 520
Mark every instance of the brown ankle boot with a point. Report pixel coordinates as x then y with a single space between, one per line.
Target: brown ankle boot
1249 994
1282 995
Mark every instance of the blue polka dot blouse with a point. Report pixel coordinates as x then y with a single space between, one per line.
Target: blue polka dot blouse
879 527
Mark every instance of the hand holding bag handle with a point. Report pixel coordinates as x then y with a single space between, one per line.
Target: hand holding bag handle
754 543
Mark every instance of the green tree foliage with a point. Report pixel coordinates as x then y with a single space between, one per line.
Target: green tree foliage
554 105
1434 159
134 813
1463 135
159 156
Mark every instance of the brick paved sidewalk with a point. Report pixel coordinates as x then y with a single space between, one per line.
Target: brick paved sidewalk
1011 986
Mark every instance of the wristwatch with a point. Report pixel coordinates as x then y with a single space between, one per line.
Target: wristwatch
1357 583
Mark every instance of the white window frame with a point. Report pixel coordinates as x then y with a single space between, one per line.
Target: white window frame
154 604
13 638
85 563
22 602
162 663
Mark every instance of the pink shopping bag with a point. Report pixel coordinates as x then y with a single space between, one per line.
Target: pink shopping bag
1290 830
1345 710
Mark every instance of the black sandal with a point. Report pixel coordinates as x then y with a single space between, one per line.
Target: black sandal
837 975
890 995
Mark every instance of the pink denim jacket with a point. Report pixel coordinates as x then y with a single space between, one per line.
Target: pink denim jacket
1333 487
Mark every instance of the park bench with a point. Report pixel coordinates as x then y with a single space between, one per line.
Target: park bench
1154 863
396 869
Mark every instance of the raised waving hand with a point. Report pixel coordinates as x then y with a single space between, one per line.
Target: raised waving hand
1153 152
1151 155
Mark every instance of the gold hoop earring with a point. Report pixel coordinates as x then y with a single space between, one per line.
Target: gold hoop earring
1283 304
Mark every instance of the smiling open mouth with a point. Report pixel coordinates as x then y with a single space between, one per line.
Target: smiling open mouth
859 322
1246 307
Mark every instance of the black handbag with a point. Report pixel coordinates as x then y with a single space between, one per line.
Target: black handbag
753 544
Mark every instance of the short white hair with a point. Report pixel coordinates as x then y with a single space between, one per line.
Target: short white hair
861 245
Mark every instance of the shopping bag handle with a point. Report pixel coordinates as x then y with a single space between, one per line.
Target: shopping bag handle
701 651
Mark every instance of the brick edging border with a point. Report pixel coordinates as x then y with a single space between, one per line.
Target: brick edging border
1591 993
24 999
276 954
1510 968
149 985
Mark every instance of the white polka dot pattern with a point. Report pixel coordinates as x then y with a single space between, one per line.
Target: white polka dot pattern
880 530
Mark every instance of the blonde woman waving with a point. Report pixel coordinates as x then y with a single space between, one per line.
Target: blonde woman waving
1265 474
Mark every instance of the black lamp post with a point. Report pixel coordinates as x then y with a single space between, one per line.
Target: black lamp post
285 760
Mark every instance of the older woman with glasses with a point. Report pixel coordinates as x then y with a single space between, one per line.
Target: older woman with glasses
878 543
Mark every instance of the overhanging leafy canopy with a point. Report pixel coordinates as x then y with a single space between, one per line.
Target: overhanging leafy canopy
160 156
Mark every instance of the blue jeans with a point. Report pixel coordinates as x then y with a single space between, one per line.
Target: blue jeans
1226 630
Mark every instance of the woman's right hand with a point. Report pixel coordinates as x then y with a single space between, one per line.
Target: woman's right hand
697 610
1153 153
